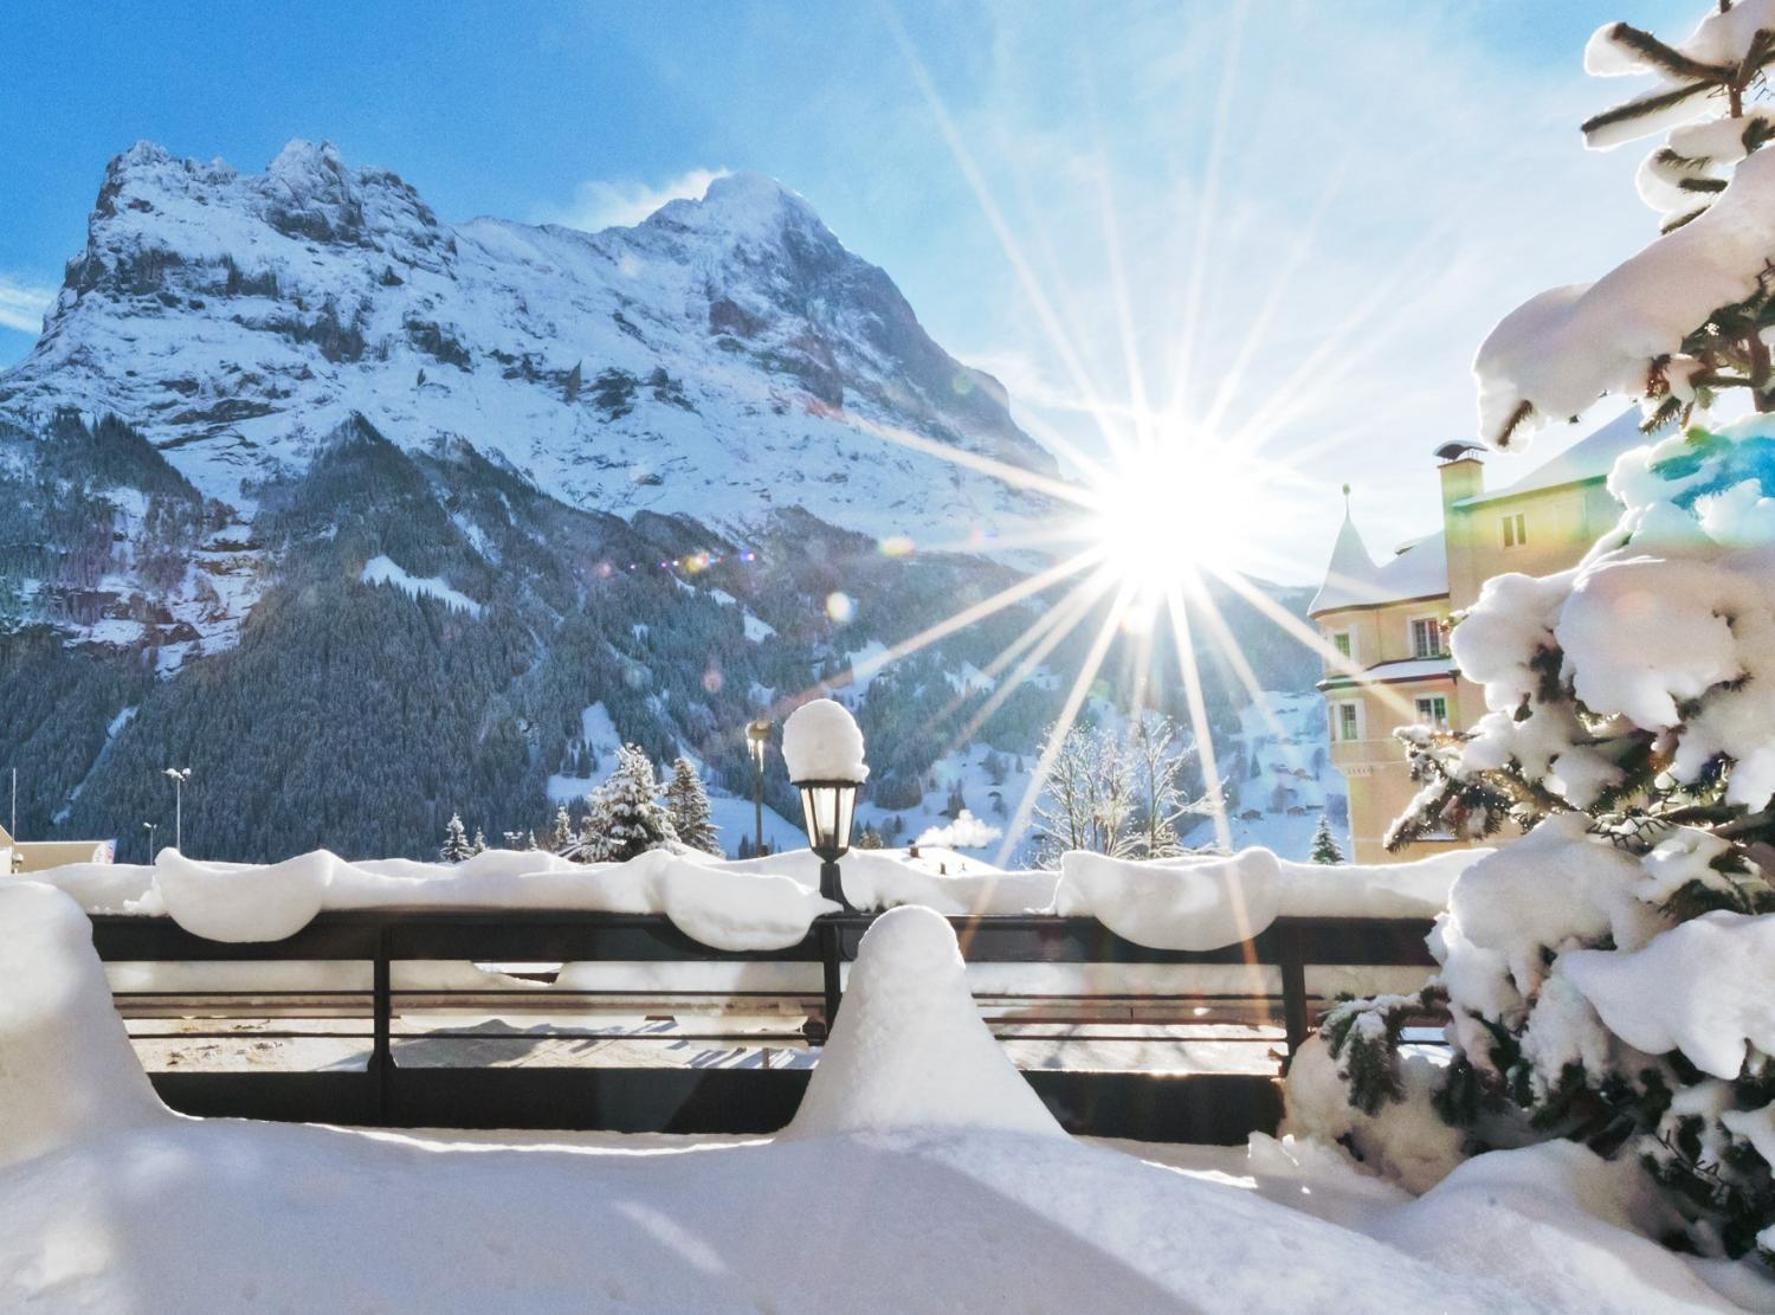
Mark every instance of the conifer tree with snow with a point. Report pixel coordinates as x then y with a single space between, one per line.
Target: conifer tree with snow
687 802
1684 320
1325 848
625 816
479 844
561 835
456 847
1608 975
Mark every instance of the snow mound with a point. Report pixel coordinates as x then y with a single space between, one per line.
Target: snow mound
1702 988
1404 1141
1196 907
1200 903
822 742
909 1049
229 902
66 1067
1578 1229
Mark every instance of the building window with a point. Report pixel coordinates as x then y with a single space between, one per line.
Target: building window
1433 710
1515 530
1346 722
1341 642
1429 637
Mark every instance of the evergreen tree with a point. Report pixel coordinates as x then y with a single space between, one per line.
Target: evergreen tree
1673 353
1325 848
456 845
688 804
870 839
625 816
480 842
562 835
1643 781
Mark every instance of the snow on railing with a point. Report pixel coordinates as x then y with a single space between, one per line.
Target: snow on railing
1194 902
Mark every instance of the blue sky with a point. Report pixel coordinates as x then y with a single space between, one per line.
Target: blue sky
1328 204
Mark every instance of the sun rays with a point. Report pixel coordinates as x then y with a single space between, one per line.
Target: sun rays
1164 521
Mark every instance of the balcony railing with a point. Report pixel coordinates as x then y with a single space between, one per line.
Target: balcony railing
388 1091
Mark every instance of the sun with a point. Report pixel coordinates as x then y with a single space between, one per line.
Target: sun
1166 511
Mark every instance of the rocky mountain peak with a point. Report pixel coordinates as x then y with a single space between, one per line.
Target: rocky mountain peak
725 356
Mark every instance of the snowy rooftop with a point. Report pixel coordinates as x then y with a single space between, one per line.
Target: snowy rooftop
1407 669
1418 570
1591 457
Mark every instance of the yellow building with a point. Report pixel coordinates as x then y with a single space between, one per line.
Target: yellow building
1391 618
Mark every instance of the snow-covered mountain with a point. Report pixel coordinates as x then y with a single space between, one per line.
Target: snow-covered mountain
722 359
359 513
724 356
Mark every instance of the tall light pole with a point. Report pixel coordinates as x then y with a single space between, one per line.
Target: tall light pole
757 740
179 775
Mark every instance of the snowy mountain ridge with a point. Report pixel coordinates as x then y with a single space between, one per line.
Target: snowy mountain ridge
725 355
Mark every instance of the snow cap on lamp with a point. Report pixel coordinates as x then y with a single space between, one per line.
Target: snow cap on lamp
822 742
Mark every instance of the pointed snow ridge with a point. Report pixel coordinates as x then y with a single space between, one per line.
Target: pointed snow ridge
740 205
1349 573
909 1049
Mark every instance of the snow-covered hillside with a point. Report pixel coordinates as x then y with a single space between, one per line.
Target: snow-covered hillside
1282 740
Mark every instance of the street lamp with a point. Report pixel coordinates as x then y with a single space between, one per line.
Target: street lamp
178 776
823 750
150 828
757 741
829 808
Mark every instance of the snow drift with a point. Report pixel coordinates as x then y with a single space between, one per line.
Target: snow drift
909 1049
66 1067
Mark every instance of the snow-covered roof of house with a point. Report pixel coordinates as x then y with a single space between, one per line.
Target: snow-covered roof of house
1418 570
1389 672
1591 457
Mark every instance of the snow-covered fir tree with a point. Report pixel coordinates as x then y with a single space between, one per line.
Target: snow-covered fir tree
561 834
479 844
625 816
688 804
1608 976
1325 848
456 846
1684 320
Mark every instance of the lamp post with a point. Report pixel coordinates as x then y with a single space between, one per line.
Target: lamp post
757 741
828 808
150 828
823 749
178 776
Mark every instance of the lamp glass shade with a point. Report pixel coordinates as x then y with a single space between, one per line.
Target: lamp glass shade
829 808
757 737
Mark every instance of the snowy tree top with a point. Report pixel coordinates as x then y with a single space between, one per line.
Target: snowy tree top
822 742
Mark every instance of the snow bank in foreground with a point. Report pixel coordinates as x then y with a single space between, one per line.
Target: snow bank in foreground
107 1203
1197 903
909 1049
1571 1225
66 1067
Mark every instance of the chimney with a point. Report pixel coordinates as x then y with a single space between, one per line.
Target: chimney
1462 472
